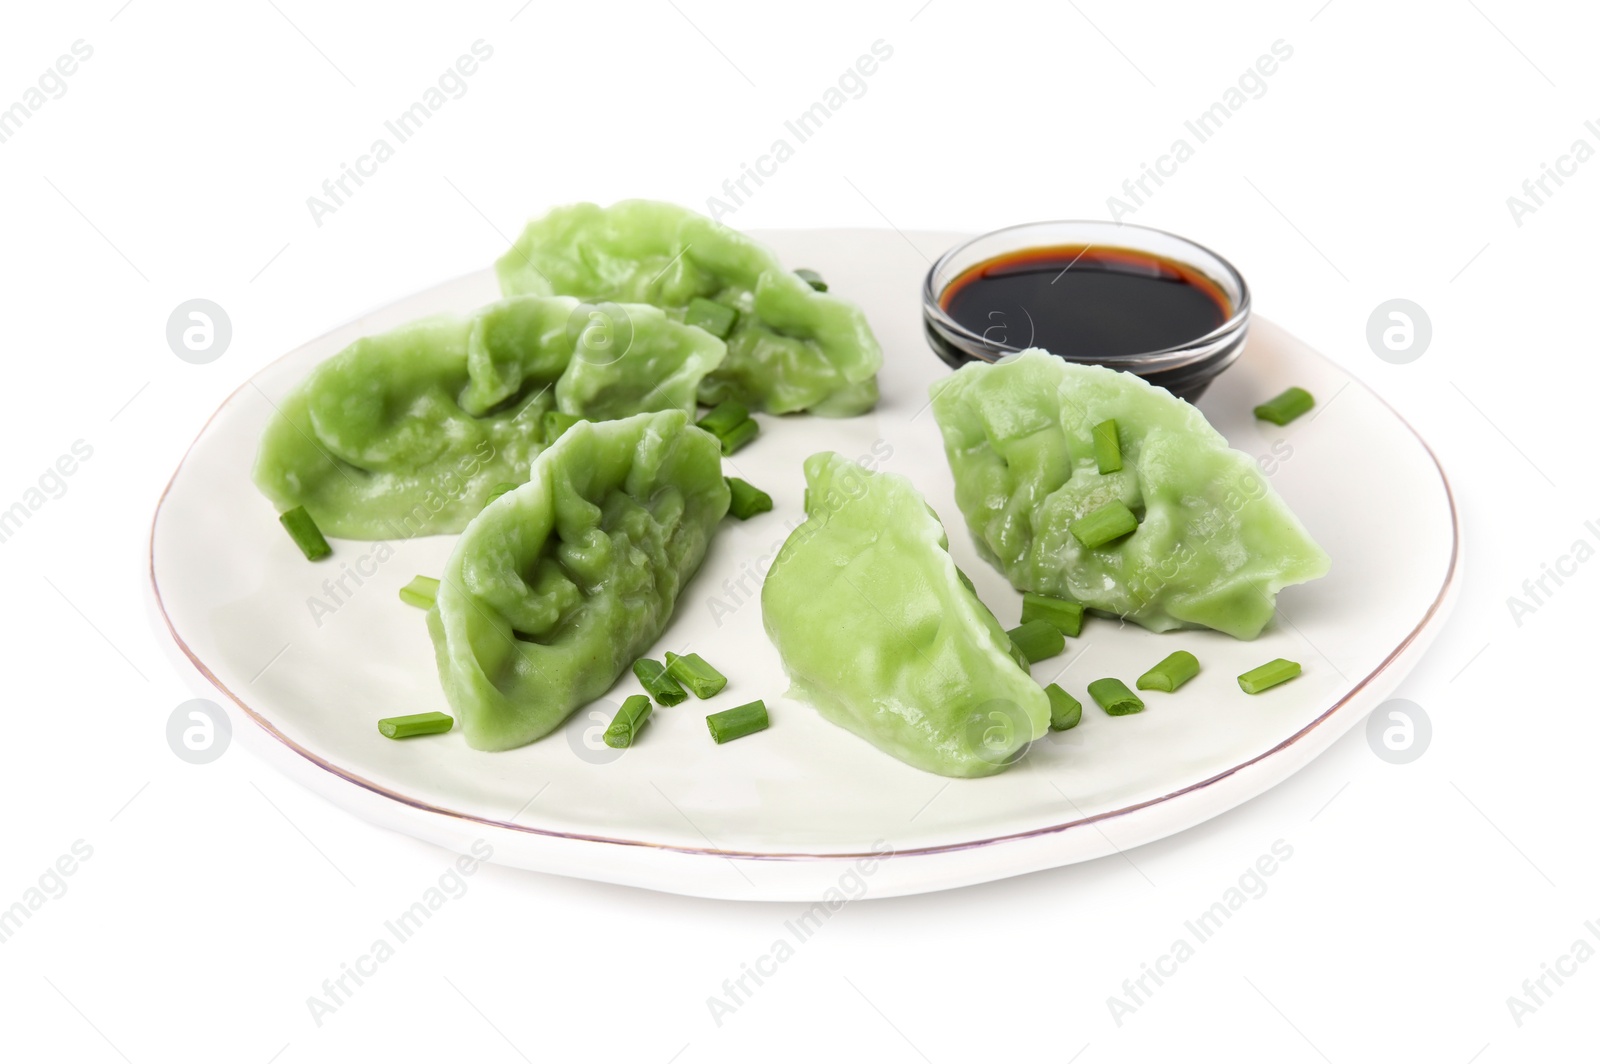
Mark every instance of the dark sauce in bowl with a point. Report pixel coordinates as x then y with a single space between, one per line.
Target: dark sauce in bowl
1123 296
1086 303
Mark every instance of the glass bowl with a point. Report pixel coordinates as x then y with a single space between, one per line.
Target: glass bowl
1184 370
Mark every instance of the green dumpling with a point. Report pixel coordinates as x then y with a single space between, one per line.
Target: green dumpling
557 587
406 433
791 348
880 631
1214 544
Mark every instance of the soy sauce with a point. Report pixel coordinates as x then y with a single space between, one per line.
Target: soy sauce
1085 302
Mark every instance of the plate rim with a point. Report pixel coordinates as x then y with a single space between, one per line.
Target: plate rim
1446 589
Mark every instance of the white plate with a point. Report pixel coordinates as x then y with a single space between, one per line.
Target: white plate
786 813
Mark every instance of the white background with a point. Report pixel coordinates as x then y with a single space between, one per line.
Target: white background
1377 165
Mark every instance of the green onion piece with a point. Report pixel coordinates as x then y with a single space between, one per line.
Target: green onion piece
421 592
724 417
1018 656
1274 672
663 688
1170 673
1099 527
416 724
739 435
715 318
748 500
1284 408
1063 613
1065 711
692 671
499 490
1113 696
812 278
1107 447
738 722
1038 640
305 533
624 728
555 423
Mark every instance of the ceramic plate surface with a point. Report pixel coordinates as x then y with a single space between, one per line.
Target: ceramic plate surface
315 653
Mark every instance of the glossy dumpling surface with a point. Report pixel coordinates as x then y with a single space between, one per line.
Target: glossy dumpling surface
1214 543
791 348
406 433
881 633
557 587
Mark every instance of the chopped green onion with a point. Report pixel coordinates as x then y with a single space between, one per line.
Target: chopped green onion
1065 711
663 688
556 423
812 278
1099 527
724 417
1284 408
1018 656
625 725
499 490
739 435
416 724
1113 696
305 533
715 318
692 671
1274 672
1065 614
1038 640
421 592
1170 673
731 424
738 722
1107 447
748 500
